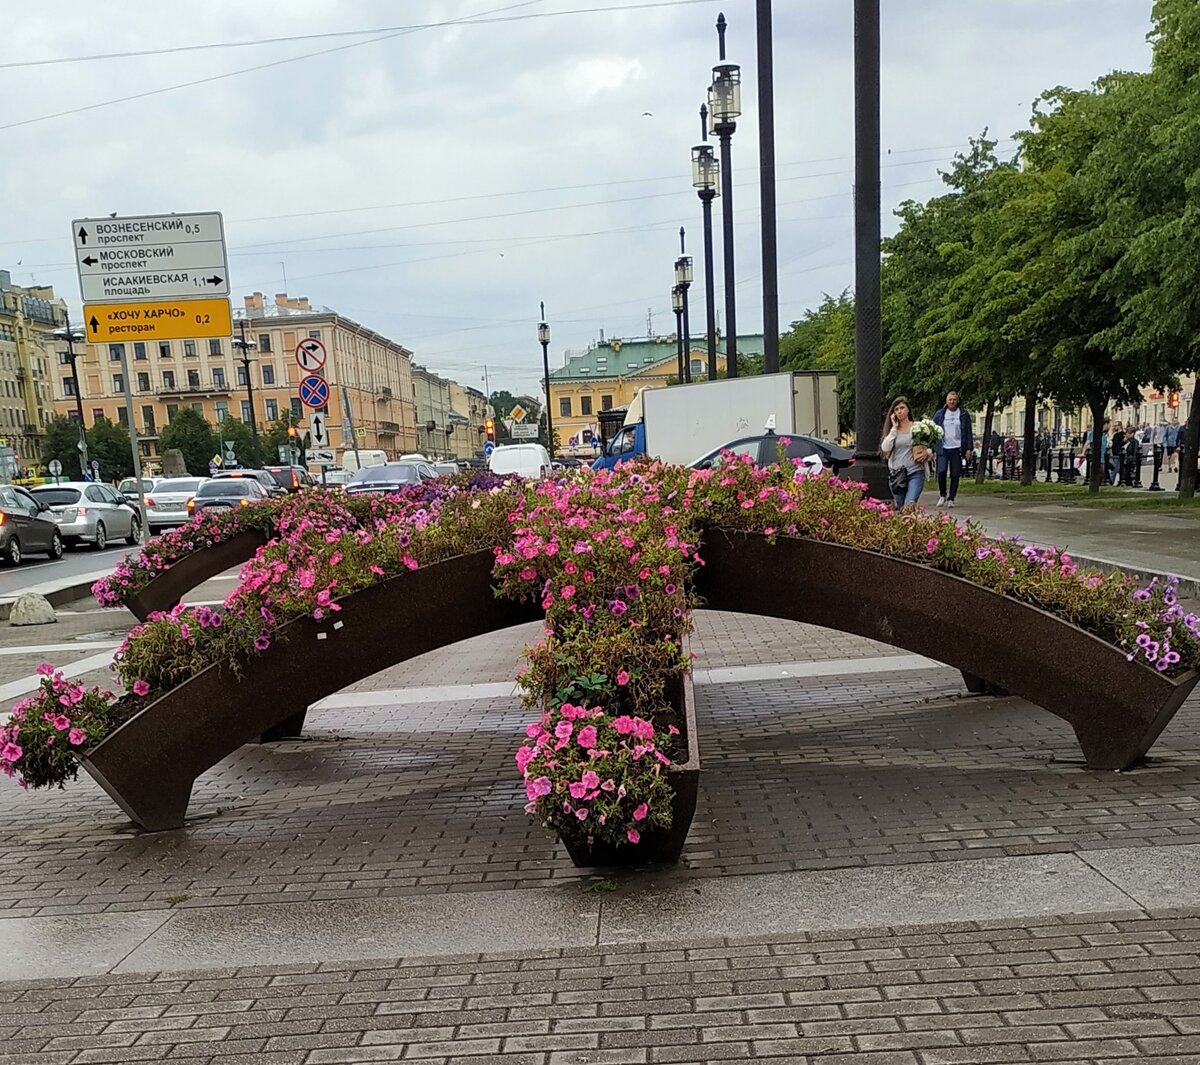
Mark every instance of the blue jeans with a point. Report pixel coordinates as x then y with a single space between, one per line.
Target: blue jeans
916 485
950 459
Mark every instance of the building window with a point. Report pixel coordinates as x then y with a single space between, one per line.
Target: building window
218 377
564 406
97 414
164 349
697 367
297 408
118 382
585 404
272 410
606 402
115 351
172 408
268 373
123 417
241 375
222 412
68 386
189 348
193 378
246 411
264 341
168 378
214 346
148 420
139 350
314 334
143 380
198 408
64 358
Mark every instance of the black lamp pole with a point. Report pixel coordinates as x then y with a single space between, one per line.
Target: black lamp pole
245 346
683 280
677 307
766 185
725 106
868 344
69 336
706 180
543 333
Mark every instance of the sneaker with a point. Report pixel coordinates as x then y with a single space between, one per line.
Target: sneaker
950 503
941 501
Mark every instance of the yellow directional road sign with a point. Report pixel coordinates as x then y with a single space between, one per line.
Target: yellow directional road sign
166 320
517 413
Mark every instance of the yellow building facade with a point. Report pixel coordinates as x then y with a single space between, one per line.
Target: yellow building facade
27 317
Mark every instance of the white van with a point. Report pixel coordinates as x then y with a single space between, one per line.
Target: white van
525 460
365 458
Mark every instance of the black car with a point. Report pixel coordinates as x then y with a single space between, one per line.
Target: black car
224 493
291 478
26 527
764 450
267 480
390 477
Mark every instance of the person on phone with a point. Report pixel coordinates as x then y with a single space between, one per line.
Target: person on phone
906 476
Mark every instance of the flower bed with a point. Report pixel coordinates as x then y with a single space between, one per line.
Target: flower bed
610 559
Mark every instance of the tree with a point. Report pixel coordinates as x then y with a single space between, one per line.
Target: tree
243 441
277 436
62 443
824 340
109 445
193 436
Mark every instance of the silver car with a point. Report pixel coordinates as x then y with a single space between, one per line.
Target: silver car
166 502
91 513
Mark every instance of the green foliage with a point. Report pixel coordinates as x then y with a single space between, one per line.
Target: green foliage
193 436
243 441
824 340
109 445
277 436
62 443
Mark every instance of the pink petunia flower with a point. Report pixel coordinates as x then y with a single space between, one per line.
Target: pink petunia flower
141 688
633 835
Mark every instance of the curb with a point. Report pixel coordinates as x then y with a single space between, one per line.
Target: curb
69 593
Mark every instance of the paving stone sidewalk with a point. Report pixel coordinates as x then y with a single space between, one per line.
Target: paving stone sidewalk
1080 991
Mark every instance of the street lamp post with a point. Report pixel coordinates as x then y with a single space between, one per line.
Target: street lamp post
724 109
706 180
677 307
245 347
766 185
683 281
70 336
543 335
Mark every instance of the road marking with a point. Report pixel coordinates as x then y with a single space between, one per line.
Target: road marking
58 648
16 688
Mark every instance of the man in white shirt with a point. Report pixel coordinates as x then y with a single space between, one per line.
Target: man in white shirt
956 441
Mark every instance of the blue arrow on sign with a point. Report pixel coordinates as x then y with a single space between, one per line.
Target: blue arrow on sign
314 391
488 448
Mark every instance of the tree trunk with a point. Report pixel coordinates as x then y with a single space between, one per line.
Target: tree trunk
1189 451
1028 455
985 443
1095 466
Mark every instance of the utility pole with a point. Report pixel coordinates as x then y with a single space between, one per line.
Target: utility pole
68 334
766 184
134 446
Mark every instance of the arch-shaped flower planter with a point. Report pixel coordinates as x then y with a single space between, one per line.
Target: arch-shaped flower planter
149 764
1116 707
168 588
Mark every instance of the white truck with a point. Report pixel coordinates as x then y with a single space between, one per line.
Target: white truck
682 423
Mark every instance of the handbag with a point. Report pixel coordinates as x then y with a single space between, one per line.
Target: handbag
898 480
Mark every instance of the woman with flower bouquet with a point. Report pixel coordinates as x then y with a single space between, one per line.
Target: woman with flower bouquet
908 447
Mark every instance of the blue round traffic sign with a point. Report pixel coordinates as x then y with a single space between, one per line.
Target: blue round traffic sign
314 391
488 448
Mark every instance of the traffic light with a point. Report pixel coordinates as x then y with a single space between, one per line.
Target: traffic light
489 428
1173 401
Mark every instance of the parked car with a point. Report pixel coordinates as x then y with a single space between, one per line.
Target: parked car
291 478
272 487
763 451
334 478
26 527
525 460
91 513
390 477
166 503
223 493
129 487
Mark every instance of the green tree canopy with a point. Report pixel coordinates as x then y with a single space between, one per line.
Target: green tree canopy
62 442
824 340
243 441
109 445
193 436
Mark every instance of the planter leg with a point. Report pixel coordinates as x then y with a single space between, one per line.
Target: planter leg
155 804
979 686
290 728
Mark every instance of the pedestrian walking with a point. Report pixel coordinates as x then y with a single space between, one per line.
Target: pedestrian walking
906 476
1171 442
1010 467
957 440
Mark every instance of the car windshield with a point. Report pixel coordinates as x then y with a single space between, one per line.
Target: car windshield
227 486
130 485
399 474
56 497
180 484
282 474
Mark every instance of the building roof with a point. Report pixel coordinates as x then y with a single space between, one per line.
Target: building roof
625 357
274 310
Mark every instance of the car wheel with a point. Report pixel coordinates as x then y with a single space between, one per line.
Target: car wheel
101 537
135 533
56 546
12 553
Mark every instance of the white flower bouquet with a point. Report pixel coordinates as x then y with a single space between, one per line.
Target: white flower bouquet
925 435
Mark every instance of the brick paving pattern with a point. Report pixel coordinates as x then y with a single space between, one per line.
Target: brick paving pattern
1103 989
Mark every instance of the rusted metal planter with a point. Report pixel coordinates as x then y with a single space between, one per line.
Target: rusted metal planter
1117 708
170 586
658 845
149 764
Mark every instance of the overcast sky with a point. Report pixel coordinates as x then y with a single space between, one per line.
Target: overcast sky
436 183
